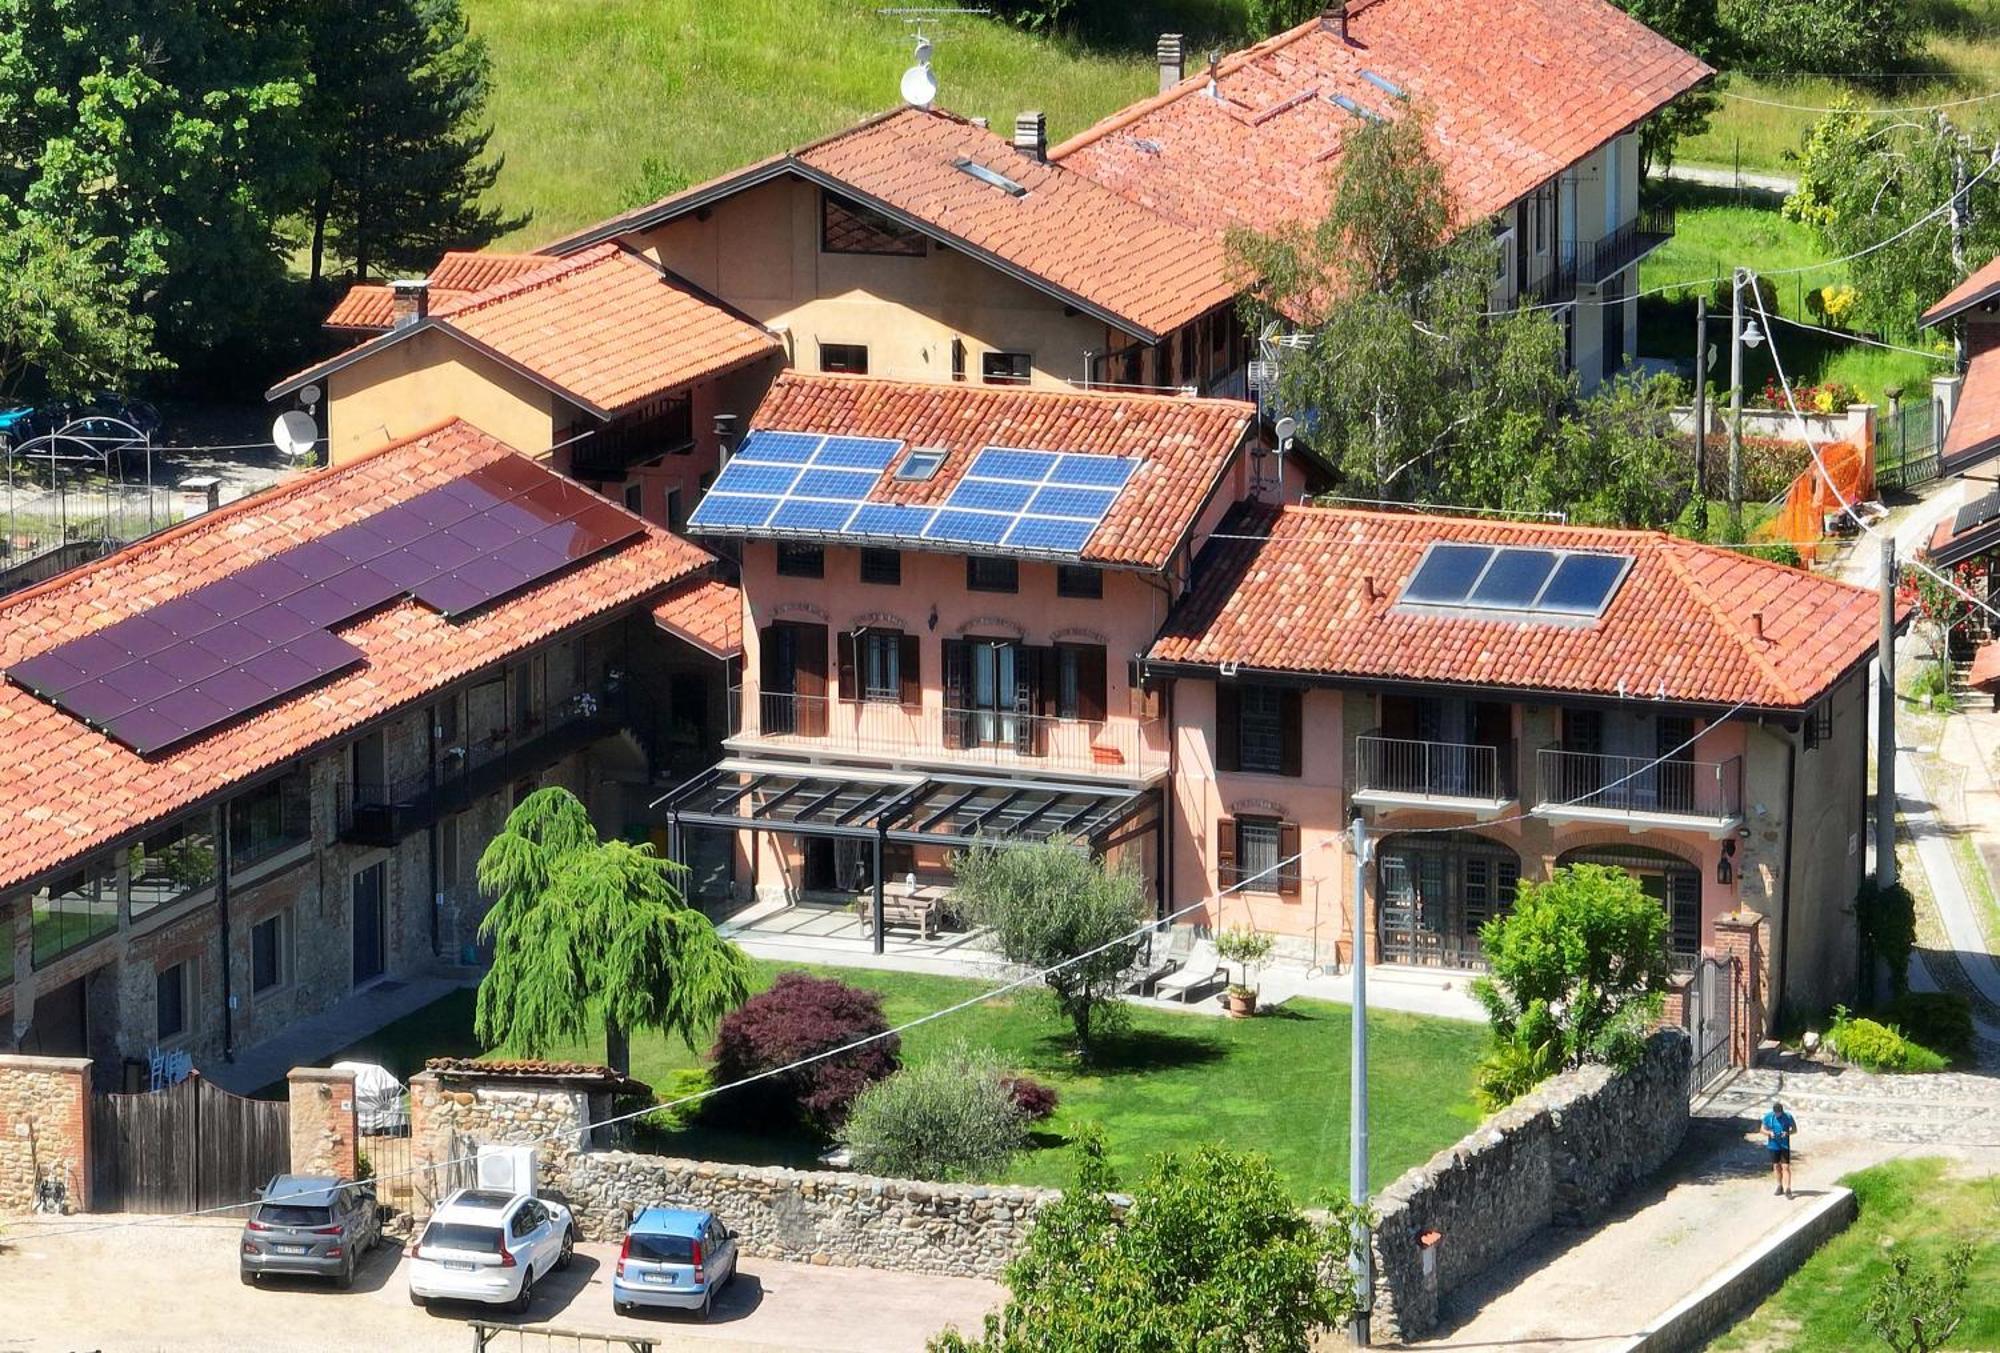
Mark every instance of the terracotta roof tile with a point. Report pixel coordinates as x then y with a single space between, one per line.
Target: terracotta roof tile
1517 91
367 307
1318 593
1981 287
707 613
1974 435
1184 443
72 789
464 270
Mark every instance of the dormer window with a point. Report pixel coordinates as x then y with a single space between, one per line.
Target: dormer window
921 464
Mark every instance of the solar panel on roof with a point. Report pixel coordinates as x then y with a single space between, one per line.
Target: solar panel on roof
1447 573
861 453
972 528
1513 579
755 477
896 520
1976 513
791 448
849 486
801 515
992 495
260 634
1583 584
1097 472
999 463
1090 504
1524 580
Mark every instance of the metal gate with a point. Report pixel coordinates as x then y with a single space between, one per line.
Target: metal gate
1711 1001
187 1148
1907 446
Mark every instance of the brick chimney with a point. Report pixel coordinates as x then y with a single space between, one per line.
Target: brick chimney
1173 60
410 301
1031 135
1335 18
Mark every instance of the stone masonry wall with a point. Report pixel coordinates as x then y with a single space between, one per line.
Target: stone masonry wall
45 1121
1559 1156
325 1121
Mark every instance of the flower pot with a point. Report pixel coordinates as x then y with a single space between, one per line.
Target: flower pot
1242 1002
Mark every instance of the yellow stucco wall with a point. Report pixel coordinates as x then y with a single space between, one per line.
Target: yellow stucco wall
759 250
422 381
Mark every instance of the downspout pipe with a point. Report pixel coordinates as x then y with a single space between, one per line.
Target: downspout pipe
1785 889
222 925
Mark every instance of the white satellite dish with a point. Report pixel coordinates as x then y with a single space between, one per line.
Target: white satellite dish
920 87
295 433
309 395
1286 429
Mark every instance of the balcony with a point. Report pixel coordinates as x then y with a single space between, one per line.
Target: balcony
891 733
383 813
1603 260
1454 776
608 453
1640 792
1558 285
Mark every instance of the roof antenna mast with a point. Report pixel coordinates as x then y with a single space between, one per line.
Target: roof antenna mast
919 86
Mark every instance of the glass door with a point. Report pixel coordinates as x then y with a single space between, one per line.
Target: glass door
995 692
371 922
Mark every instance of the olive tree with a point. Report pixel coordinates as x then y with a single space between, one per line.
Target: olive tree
1054 903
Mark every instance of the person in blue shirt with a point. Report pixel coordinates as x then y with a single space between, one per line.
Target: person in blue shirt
1778 1129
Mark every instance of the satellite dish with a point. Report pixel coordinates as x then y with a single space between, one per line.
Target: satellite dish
295 433
1285 429
309 395
920 87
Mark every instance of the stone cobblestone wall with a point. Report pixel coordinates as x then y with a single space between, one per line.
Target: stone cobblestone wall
45 1122
1559 1156
324 1121
809 1216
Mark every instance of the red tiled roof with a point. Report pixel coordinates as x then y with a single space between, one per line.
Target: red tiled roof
604 328
1974 435
1517 91
1148 273
366 307
707 613
1185 443
465 270
1318 593
71 789
1982 286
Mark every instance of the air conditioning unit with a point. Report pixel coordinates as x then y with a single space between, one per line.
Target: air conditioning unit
511 1169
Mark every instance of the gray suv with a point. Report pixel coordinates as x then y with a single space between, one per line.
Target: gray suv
310 1224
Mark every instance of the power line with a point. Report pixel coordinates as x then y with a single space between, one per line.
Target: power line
1809 108
1861 338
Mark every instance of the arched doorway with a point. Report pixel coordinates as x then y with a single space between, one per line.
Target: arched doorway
1434 890
1668 879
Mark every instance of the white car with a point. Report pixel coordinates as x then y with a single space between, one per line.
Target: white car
490 1246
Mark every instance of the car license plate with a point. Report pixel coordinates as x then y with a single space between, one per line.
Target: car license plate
289 1249
663 1279
457 1267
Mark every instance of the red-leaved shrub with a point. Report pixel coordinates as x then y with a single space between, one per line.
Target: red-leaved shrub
1035 1100
799 1016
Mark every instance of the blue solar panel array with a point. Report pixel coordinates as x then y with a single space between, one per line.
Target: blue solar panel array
1042 501
1568 584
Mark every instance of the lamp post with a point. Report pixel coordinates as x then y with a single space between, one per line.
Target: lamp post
1740 337
1357 1077
1701 413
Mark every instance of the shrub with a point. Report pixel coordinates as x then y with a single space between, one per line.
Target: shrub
1933 680
1886 920
1513 1066
1246 948
1877 1047
1826 36
799 1016
951 1116
1938 1020
1037 1101
680 1084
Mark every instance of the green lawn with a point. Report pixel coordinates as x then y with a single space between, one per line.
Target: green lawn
1959 62
1276 1084
1913 1205
586 90
1716 230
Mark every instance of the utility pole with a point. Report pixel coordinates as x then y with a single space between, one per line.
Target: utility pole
1701 412
1357 1079
1885 724
1736 398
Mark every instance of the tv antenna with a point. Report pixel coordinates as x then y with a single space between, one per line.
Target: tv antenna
919 84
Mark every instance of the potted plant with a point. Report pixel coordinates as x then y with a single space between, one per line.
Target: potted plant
1248 949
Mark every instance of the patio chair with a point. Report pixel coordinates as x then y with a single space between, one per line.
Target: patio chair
1202 966
1164 952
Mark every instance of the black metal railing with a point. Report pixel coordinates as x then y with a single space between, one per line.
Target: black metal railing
1607 257
1558 285
383 812
1711 790
1433 770
1420 948
612 450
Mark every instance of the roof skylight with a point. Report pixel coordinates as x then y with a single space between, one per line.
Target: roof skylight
1346 104
992 178
922 463
1386 85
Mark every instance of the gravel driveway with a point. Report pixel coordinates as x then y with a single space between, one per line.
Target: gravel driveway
175 1287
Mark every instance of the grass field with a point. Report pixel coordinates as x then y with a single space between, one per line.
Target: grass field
1717 229
1276 1084
1912 1206
1963 55
585 91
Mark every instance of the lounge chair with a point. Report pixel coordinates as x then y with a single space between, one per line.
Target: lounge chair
1165 951
1201 967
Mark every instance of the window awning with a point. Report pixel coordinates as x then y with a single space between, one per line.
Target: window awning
946 810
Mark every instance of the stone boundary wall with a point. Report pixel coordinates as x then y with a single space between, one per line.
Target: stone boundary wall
1556 1157
810 1216
325 1121
45 1121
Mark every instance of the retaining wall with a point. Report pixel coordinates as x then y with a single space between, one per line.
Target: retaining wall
1557 1157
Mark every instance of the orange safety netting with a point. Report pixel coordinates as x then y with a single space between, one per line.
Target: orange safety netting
1811 499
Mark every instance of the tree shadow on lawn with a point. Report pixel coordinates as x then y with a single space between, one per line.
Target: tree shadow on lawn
1127 1052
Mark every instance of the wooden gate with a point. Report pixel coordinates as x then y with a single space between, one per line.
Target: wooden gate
187 1148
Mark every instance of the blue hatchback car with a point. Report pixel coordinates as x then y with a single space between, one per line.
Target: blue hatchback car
673 1257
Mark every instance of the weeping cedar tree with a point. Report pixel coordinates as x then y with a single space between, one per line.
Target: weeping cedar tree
1404 369
1049 902
1211 1254
1576 973
588 934
399 89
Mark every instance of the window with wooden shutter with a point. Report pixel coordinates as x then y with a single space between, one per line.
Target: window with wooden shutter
1225 851
1288 859
849 665
1228 713
809 678
912 692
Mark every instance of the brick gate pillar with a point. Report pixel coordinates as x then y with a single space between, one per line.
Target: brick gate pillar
1740 936
325 1121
